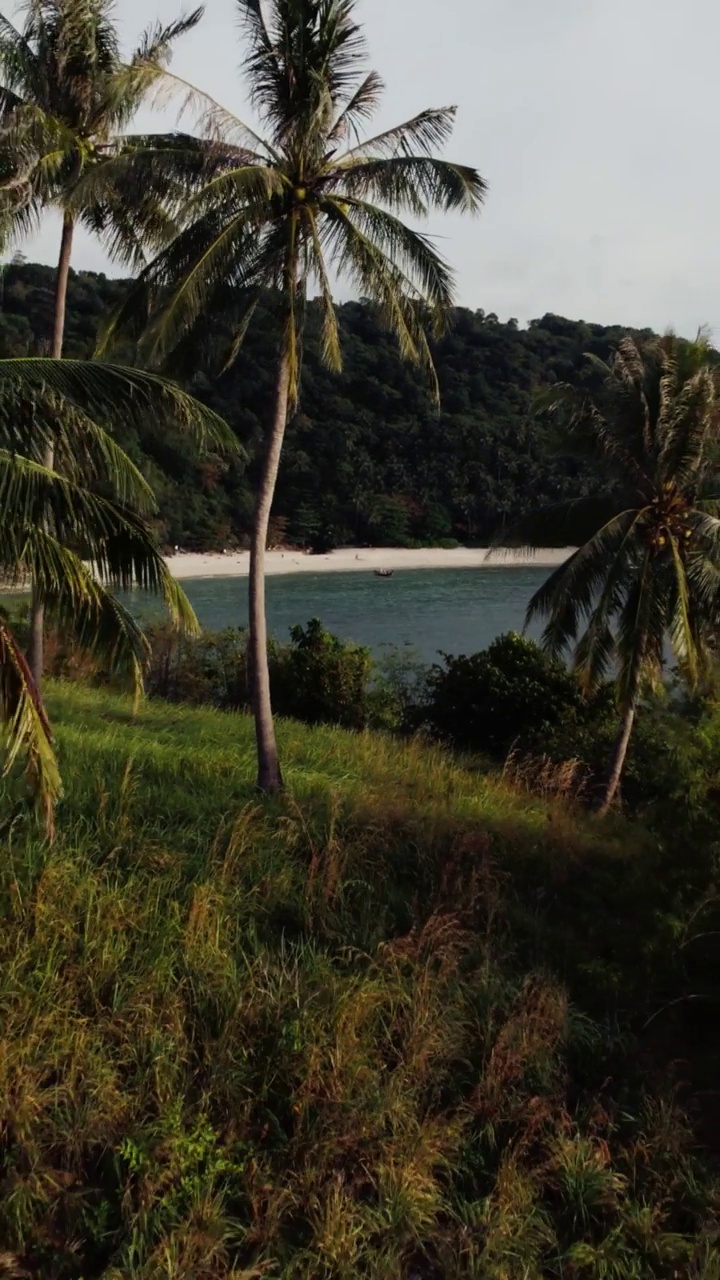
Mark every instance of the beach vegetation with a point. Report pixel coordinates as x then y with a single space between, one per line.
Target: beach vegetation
510 707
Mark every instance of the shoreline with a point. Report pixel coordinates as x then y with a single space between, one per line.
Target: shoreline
235 564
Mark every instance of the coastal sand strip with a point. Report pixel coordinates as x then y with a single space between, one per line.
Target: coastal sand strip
358 559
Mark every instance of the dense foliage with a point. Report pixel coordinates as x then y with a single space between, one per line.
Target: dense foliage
367 457
316 678
404 1022
509 695
509 706
645 577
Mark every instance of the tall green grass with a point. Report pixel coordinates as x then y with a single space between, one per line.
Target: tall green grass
387 1026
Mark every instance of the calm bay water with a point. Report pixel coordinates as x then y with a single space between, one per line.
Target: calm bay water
454 610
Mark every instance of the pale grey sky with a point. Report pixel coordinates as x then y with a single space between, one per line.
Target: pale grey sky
594 122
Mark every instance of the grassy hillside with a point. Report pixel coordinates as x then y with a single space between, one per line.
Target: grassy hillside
405 1022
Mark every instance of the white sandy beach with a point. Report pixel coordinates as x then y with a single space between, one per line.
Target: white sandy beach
185 564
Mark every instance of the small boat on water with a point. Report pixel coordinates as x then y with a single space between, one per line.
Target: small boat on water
383 573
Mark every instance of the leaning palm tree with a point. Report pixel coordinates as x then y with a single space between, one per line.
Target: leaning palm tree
647 574
79 534
66 99
292 202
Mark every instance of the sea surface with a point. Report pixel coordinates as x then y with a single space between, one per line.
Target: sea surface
431 610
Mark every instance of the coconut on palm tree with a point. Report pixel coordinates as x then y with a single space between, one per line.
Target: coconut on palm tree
66 99
293 202
647 573
80 534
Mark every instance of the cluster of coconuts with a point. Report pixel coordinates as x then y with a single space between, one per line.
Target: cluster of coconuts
670 519
300 196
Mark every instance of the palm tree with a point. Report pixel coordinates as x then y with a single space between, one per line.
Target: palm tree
66 96
287 209
648 571
80 533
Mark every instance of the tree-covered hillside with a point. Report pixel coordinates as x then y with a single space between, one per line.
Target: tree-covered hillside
368 457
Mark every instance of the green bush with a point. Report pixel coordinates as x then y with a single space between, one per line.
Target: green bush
399 688
322 680
510 695
207 669
317 678
673 765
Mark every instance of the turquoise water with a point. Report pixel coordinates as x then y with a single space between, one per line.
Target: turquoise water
454 610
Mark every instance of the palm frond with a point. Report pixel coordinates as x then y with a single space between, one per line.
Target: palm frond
682 632
212 257
27 731
31 424
596 647
300 67
79 594
641 630
568 596
261 59
108 392
412 254
156 44
44 515
82 608
331 352
19 65
690 425
361 107
32 495
615 423
214 122
213 250
166 169
127 233
398 297
419 184
421 135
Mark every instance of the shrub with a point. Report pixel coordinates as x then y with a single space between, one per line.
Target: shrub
211 668
510 695
322 680
512 698
399 688
673 764
317 678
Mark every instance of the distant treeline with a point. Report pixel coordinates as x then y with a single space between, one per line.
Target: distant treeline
369 459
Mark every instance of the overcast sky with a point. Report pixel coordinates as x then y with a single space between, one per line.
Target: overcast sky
595 123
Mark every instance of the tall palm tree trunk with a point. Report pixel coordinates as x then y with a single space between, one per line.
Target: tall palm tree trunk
36 655
269 775
618 760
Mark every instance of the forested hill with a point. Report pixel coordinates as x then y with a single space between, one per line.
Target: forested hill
368 458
